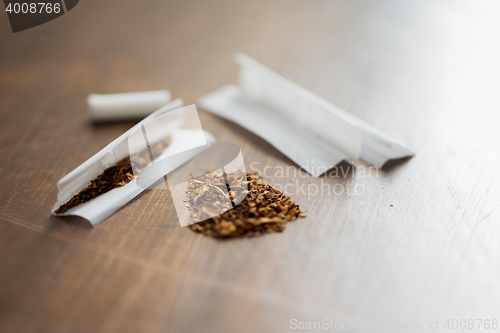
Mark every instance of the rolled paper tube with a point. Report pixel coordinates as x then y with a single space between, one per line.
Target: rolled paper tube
136 105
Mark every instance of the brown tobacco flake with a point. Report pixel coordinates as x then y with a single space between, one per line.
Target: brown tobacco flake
265 209
113 177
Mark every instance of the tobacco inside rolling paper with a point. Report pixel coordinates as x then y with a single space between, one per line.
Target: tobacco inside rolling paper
113 177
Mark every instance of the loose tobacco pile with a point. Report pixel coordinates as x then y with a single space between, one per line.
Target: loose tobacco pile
265 209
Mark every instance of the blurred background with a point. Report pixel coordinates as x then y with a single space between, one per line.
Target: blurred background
425 72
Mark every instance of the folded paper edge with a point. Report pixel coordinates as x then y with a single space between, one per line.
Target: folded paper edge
226 102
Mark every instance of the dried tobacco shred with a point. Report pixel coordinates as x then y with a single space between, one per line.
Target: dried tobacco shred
113 177
265 209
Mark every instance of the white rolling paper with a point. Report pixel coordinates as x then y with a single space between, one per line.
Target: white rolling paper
135 105
99 208
312 132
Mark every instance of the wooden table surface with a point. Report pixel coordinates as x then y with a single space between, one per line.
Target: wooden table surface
419 242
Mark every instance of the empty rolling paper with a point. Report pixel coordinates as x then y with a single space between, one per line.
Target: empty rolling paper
312 132
135 105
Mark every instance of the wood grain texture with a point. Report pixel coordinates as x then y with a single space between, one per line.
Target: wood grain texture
419 242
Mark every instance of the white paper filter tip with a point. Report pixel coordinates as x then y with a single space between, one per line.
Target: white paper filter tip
135 105
312 132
